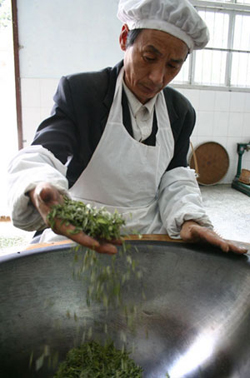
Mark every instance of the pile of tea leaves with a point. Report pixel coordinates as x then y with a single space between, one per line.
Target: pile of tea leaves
97 223
92 360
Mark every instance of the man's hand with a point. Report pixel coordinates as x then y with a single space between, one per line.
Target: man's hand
43 197
193 232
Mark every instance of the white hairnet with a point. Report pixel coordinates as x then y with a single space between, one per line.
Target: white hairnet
176 17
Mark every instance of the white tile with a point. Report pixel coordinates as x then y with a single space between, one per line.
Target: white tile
231 146
247 103
48 89
222 101
246 160
221 124
246 157
206 101
222 140
31 120
235 125
195 130
246 164
204 124
193 96
228 178
202 139
45 113
237 101
246 125
30 93
194 140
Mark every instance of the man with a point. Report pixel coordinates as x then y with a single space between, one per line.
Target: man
119 137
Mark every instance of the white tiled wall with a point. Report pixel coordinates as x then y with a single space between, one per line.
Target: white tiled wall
222 117
37 102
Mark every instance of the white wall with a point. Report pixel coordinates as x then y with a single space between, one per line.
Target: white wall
222 117
59 37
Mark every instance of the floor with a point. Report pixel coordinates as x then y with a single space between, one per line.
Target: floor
228 209
12 239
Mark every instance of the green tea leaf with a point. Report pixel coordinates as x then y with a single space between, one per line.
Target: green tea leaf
97 223
94 360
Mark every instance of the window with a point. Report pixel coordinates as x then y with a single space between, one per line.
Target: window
230 1
8 116
225 61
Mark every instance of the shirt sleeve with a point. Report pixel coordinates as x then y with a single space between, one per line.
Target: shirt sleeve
180 200
28 168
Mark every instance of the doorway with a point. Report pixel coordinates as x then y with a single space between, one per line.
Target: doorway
8 113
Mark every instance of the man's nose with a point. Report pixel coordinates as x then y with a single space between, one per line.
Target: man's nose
157 75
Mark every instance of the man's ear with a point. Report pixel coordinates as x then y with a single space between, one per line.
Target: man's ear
123 37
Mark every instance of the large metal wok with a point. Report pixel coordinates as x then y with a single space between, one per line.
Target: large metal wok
194 321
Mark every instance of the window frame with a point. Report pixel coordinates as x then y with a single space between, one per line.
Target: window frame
14 11
232 9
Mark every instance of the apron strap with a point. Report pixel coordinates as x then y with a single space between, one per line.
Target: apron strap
151 140
126 114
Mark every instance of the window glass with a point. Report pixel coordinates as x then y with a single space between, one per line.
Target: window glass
182 77
240 75
210 67
220 1
245 2
225 61
242 32
218 24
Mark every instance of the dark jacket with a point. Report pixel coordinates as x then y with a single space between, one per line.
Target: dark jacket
80 113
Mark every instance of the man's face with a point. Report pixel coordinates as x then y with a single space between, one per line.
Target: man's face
151 62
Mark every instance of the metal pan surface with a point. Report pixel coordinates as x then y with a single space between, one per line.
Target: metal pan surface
194 321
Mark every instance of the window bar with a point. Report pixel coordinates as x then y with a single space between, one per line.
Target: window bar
191 68
230 49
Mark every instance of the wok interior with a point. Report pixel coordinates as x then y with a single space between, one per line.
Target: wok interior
193 322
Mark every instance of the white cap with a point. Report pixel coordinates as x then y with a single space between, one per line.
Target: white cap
176 17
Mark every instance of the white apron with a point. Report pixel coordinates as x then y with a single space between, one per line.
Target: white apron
124 174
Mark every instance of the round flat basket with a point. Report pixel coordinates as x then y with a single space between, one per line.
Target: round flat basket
212 163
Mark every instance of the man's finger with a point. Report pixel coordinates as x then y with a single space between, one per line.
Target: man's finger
213 238
92 243
85 240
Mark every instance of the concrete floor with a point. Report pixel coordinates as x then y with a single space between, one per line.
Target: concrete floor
228 209
12 239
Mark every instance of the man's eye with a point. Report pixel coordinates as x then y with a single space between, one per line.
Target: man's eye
172 66
148 58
